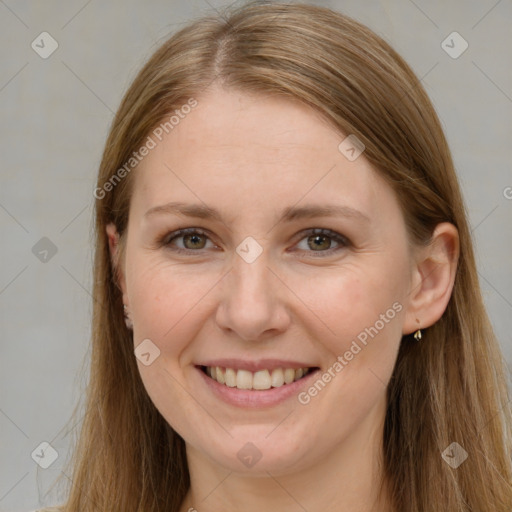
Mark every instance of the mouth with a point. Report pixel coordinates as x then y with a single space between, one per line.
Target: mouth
260 380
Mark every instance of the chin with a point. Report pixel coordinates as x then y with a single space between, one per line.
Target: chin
253 451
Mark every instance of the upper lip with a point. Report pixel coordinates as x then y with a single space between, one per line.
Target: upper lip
255 365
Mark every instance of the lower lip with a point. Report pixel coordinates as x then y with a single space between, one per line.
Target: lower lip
256 398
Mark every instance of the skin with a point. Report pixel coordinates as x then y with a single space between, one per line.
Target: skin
249 157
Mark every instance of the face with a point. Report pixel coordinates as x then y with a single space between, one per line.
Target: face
272 283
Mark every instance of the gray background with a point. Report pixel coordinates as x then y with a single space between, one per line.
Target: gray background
55 114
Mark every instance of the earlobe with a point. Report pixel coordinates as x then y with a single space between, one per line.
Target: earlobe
113 243
433 279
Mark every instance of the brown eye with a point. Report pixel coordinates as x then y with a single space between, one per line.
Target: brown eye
321 241
194 241
187 240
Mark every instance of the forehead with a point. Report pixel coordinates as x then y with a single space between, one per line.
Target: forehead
251 153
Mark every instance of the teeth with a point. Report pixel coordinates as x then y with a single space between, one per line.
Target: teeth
220 375
243 379
262 379
289 375
230 378
277 379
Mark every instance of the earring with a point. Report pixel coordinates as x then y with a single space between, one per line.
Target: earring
417 334
127 319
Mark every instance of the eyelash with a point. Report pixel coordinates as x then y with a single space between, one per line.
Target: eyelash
340 239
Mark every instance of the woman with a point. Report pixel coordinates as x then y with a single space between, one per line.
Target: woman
286 303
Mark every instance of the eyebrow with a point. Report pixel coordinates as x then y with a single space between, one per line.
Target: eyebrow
288 214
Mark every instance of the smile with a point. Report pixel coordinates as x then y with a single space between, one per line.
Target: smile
259 380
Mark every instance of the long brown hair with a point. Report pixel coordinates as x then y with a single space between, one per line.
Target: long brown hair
450 387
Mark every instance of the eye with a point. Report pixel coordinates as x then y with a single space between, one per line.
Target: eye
319 241
192 239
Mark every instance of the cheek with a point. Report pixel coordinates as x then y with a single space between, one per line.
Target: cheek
347 301
359 324
363 307
167 304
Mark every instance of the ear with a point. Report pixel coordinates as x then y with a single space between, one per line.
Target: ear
113 244
433 277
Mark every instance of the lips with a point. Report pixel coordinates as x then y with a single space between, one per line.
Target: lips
262 379
249 381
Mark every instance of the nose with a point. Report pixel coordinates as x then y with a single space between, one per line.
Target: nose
252 304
